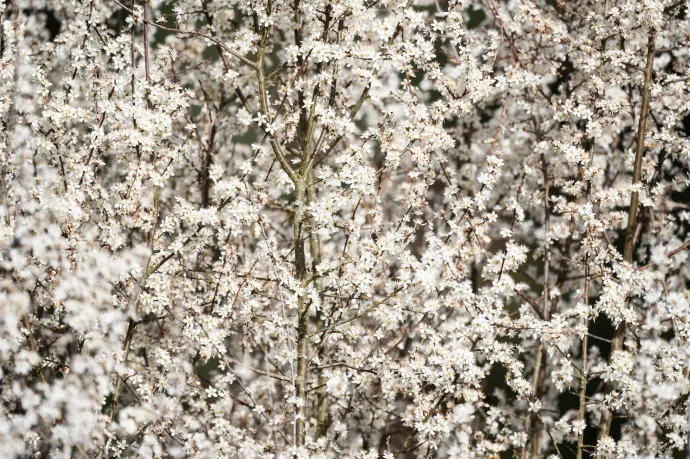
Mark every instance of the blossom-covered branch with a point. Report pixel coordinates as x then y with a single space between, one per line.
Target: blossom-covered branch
363 229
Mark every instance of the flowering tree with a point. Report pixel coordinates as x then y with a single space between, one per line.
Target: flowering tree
344 228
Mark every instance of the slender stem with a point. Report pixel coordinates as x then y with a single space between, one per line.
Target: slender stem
537 380
553 440
118 381
303 315
150 236
529 421
263 102
618 334
315 249
583 375
196 33
298 178
146 41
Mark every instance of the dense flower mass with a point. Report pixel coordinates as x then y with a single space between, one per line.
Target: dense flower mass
344 228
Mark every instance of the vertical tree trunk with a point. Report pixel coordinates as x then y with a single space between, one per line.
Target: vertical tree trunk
302 313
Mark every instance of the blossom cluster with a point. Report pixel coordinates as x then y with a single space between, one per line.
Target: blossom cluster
350 228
